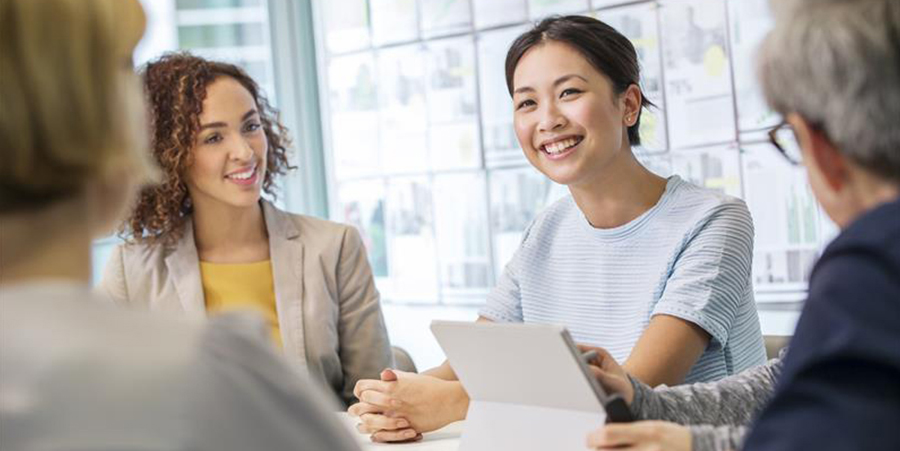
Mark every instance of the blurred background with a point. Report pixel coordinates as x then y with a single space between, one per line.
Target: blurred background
402 127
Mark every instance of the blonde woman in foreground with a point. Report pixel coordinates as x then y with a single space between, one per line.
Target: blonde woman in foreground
76 373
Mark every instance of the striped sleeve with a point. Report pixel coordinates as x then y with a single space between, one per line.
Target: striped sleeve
708 281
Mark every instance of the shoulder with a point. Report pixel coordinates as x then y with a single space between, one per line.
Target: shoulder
704 212
309 228
701 204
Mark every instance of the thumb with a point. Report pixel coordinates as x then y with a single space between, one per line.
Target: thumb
388 375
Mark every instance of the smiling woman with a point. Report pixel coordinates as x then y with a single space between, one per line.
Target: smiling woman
203 241
655 270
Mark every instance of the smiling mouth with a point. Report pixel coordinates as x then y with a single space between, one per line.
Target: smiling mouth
243 175
558 147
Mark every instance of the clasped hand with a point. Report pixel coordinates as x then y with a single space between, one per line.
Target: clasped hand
401 406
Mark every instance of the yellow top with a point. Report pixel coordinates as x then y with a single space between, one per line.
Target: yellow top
241 286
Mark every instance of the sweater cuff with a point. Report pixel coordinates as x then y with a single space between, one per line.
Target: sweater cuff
642 395
716 438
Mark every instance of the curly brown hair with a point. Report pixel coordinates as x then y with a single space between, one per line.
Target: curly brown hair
175 85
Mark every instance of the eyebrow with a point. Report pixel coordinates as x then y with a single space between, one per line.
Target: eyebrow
246 116
556 83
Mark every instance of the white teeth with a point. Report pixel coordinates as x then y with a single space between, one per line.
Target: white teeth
243 175
560 146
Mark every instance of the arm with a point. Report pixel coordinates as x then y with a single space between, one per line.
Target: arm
735 400
427 402
364 346
708 284
680 404
666 351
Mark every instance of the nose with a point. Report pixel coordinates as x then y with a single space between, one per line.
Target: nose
241 151
551 118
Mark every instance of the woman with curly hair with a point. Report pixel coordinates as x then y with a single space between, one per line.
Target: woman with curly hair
204 241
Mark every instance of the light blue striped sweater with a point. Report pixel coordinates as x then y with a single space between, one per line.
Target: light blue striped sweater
689 256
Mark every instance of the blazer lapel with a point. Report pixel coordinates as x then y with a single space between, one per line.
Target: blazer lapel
286 254
184 270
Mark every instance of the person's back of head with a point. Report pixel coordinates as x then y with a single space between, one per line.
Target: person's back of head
836 65
72 131
76 373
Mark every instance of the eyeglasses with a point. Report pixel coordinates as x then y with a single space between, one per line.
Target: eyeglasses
777 137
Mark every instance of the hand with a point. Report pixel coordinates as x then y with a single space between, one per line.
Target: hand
421 403
641 436
609 373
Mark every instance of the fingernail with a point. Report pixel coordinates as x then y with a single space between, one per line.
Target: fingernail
409 434
402 423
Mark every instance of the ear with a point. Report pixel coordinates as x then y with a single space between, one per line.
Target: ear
819 153
631 100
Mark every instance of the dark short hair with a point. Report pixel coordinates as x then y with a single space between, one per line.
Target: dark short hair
611 53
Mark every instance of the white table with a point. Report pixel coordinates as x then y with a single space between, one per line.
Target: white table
444 439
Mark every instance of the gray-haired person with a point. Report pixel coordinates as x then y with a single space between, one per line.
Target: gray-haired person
832 69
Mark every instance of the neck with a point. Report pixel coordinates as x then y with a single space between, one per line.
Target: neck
229 234
623 191
50 243
870 192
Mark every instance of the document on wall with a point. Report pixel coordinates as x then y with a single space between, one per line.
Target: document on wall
346 25
538 9
393 21
639 23
461 230
491 13
699 98
749 21
453 140
361 204
353 116
412 256
716 167
517 196
403 109
786 219
445 17
501 148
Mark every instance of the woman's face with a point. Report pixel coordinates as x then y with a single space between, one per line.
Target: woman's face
229 154
568 120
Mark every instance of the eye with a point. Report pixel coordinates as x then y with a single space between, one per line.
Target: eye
569 91
212 139
252 127
525 103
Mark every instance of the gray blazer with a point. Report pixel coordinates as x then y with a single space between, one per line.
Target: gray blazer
328 308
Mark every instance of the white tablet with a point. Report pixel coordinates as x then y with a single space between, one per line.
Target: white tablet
533 364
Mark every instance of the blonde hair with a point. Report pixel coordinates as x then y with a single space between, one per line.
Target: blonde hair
72 108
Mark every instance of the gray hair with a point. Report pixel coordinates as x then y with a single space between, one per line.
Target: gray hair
837 64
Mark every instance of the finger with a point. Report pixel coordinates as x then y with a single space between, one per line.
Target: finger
361 408
378 399
371 384
375 422
388 375
405 435
612 435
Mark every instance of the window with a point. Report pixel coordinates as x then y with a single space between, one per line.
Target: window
425 162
